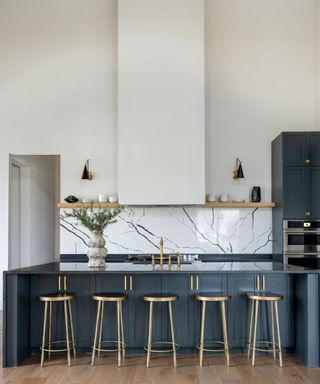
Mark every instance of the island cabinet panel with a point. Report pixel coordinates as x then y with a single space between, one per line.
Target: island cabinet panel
140 285
41 285
112 284
183 309
209 284
238 311
283 285
83 308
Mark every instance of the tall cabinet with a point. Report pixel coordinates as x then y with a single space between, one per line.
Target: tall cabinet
295 180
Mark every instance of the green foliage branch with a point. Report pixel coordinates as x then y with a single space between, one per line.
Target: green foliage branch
94 219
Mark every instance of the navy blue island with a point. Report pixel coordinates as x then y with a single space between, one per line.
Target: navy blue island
299 311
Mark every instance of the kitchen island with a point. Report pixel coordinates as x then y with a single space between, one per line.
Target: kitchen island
299 311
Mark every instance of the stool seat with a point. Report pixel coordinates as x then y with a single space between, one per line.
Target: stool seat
264 296
59 296
109 297
213 297
158 298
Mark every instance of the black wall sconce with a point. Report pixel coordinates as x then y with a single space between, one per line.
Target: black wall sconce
87 174
238 172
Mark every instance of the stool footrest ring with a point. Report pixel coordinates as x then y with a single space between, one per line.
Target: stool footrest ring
166 350
57 349
206 349
122 346
264 349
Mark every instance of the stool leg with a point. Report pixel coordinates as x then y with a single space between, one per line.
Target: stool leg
149 334
101 327
72 331
119 334
250 329
255 332
67 331
122 332
203 320
172 335
278 331
44 332
225 332
96 334
50 327
272 331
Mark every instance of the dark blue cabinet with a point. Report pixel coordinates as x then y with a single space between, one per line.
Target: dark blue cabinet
283 285
209 283
295 179
41 285
238 314
109 284
183 309
295 149
138 286
295 187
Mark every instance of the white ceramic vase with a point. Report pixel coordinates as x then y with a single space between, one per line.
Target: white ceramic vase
97 252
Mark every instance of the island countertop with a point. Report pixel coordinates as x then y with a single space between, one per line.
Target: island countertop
195 267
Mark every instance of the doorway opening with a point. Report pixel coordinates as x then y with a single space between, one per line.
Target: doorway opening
34 190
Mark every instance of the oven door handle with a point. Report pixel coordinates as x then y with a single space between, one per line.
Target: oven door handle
301 255
302 232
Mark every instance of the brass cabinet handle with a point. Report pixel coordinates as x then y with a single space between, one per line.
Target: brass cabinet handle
307 161
258 282
263 282
130 283
125 282
59 283
191 283
197 283
65 283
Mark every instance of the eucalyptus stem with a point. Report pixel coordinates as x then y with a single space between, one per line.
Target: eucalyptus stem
94 219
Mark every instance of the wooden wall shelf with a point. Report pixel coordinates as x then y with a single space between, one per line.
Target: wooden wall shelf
87 205
231 204
206 205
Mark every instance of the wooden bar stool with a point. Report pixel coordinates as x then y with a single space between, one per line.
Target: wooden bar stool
217 298
153 299
102 298
48 300
255 299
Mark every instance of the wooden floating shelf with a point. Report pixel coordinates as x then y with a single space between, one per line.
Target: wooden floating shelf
206 205
88 205
234 204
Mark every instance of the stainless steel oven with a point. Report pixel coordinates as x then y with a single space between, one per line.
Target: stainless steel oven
301 242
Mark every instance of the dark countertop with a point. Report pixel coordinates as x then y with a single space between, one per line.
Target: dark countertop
195 267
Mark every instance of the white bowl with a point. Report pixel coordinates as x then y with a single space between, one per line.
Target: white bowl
113 199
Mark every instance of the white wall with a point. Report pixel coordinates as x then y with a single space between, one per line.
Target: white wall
38 208
57 92
57 88
260 77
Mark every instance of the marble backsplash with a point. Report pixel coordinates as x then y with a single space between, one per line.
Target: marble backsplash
185 230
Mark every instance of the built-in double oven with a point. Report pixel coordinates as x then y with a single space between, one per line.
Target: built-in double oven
301 242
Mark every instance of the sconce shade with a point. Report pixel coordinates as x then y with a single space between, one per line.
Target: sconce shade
240 174
86 174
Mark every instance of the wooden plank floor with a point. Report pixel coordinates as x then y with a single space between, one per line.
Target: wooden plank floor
161 371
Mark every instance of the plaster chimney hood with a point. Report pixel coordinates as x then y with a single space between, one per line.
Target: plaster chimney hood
161 124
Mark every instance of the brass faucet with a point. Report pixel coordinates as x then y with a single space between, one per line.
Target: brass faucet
162 258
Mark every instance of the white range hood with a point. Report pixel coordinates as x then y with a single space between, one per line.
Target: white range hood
161 102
